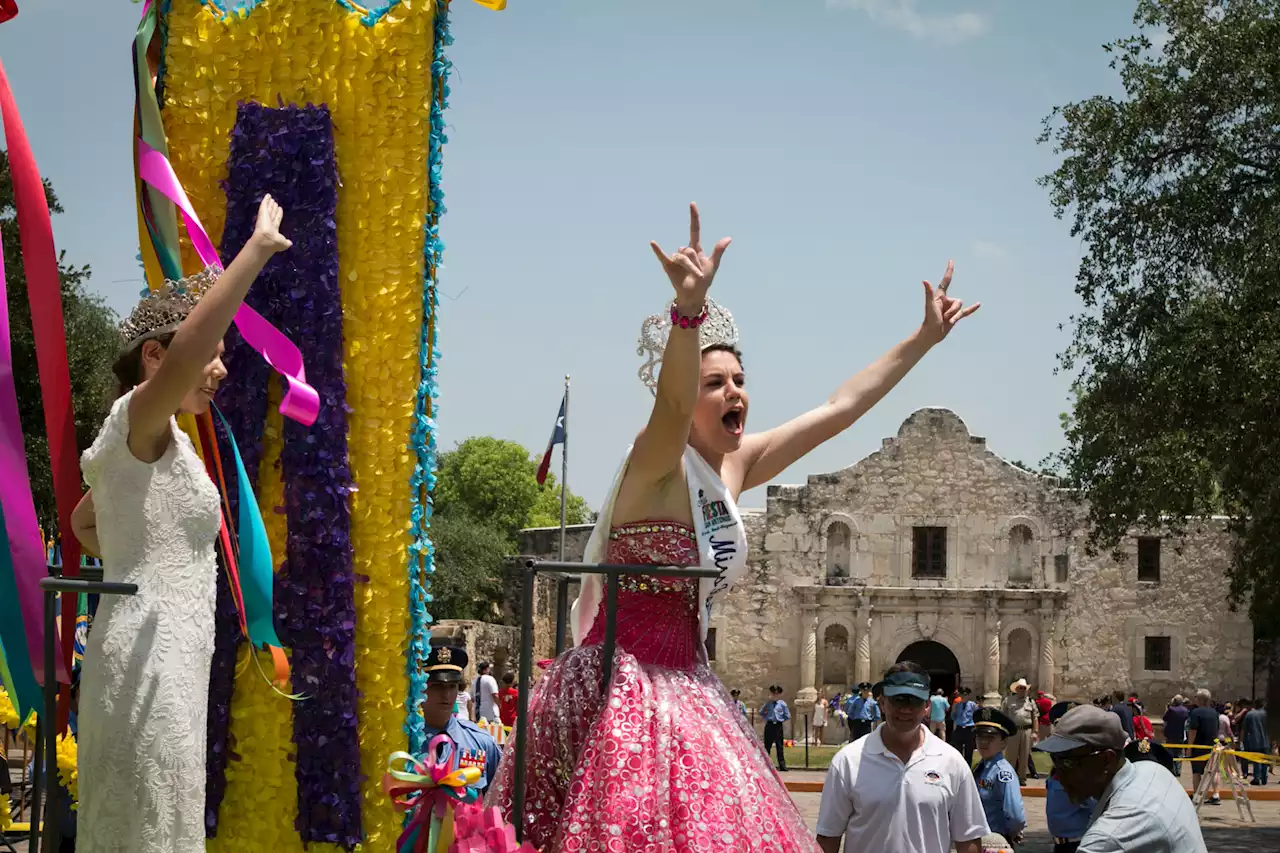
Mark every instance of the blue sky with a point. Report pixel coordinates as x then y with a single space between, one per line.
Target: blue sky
849 147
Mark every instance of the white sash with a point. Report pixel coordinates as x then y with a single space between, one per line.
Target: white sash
722 542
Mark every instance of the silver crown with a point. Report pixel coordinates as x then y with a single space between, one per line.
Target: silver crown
162 310
717 330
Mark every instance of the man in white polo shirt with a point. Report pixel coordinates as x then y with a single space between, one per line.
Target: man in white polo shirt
901 788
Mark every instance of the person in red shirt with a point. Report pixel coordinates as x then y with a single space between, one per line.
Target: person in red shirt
1043 704
508 700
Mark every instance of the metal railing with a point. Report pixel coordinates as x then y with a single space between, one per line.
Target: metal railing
45 773
562 571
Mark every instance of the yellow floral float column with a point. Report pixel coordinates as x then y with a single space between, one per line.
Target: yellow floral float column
380 73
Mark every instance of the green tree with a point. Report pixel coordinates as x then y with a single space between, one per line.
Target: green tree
467 583
92 344
1174 192
546 509
495 481
490 480
486 492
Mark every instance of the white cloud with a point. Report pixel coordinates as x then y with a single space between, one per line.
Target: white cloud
946 27
985 251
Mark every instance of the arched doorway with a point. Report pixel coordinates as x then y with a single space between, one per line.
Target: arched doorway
937 660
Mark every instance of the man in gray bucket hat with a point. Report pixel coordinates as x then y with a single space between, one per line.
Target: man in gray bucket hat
1141 808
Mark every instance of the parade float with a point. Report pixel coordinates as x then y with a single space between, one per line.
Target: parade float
337 110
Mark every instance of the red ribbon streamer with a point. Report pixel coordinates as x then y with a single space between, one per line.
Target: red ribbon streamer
44 292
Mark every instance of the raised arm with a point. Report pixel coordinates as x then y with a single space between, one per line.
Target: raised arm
196 340
766 455
660 446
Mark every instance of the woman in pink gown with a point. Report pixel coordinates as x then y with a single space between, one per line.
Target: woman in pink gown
663 760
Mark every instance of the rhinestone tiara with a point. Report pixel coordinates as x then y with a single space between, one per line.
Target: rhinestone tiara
160 311
717 329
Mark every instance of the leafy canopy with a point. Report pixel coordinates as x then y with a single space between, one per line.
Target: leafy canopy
1173 190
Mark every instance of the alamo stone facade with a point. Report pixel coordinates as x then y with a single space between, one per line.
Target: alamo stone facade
935 549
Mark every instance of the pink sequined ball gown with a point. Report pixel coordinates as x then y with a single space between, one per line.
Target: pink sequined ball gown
665 762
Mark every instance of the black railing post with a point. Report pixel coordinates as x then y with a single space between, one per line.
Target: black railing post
610 631
562 613
46 770
611 573
522 701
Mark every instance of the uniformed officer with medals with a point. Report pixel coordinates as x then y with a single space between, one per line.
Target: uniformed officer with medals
472 746
997 782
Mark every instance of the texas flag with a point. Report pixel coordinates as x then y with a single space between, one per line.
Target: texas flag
557 437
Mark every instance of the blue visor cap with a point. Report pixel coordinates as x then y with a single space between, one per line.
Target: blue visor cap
907 684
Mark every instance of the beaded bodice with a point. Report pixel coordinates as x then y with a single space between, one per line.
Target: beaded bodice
657 618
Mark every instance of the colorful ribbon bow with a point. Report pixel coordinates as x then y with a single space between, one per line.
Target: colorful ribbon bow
424 789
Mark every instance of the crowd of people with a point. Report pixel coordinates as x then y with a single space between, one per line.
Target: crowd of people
901 787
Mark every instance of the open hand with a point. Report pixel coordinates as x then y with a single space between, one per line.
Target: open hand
691 272
266 233
941 312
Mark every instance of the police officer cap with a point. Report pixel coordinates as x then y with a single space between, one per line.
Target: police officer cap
993 718
445 665
1149 750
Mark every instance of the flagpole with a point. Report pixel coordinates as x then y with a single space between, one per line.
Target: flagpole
562 585
564 467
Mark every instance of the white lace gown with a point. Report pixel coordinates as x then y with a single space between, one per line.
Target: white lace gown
145 685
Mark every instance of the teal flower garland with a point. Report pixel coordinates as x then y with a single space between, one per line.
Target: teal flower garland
423 436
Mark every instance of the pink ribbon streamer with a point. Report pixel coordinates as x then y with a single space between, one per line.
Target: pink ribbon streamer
15 496
301 403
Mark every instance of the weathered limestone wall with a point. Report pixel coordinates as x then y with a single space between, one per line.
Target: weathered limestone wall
497 644
1111 612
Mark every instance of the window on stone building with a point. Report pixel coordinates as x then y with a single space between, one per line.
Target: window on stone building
1060 565
711 644
1021 553
1157 654
1149 559
929 553
839 546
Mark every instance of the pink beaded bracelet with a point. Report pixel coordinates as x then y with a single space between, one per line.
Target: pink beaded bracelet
687 322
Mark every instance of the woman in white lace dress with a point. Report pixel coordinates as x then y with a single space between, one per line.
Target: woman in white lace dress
152 513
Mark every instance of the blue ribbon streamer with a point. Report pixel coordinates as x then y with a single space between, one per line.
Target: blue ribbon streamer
15 662
257 574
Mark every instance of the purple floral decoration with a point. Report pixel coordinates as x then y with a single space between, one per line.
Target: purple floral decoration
289 153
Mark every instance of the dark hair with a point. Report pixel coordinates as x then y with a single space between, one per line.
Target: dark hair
508 677
1118 696
906 666
729 348
128 364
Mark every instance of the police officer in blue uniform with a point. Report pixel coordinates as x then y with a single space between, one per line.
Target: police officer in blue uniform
1067 821
997 783
472 746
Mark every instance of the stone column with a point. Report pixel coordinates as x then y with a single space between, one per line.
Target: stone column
807 696
992 679
862 661
1048 637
